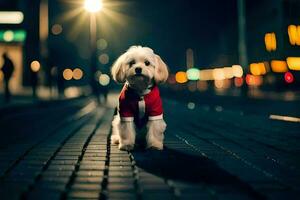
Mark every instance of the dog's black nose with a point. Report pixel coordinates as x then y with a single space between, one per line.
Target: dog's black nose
138 70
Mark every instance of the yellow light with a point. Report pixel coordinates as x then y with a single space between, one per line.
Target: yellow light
181 77
293 63
93 5
270 41
298 36
77 74
104 79
218 74
11 17
294 34
228 72
35 66
237 70
103 58
279 66
8 36
67 74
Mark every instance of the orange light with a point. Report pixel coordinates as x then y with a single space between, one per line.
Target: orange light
270 41
293 63
77 74
67 74
294 34
258 69
279 66
181 77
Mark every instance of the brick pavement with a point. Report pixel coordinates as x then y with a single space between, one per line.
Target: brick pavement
212 155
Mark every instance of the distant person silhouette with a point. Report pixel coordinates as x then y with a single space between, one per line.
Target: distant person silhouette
7 69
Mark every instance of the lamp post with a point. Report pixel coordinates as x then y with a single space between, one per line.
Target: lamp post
93 6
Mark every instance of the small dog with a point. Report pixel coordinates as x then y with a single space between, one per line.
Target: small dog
140 104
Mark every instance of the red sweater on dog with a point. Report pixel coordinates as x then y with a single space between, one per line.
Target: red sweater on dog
140 109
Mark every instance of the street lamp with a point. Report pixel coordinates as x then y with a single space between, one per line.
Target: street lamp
93 6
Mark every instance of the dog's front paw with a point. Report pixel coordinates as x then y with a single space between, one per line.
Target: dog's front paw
126 147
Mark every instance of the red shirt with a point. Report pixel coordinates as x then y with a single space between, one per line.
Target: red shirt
140 109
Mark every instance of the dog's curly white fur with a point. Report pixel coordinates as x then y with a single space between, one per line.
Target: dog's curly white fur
151 70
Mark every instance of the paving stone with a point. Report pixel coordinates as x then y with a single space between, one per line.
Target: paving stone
83 194
90 173
88 179
86 186
120 187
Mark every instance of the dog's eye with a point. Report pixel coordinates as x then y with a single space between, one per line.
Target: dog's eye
147 63
131 62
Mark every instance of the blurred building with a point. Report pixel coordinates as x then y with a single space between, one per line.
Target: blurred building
262 17
19 37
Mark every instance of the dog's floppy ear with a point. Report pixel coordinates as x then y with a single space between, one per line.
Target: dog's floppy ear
118 69
161 70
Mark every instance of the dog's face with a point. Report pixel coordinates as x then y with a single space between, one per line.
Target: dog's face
139 66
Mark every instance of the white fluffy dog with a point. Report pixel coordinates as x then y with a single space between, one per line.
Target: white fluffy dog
140 104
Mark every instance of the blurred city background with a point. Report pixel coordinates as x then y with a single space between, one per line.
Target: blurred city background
64 48
231 102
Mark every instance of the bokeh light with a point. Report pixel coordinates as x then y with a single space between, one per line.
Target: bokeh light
270 41
257 69
279 66
103 58
104 79
237 70
56 29
192 74
252 80
181 77
191 105
35 66
218 74
289 77
238 81
8 36
293 63
77 74
102 44
206 75
67 74
294 34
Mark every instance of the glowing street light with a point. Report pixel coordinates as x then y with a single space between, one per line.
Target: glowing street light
93 5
